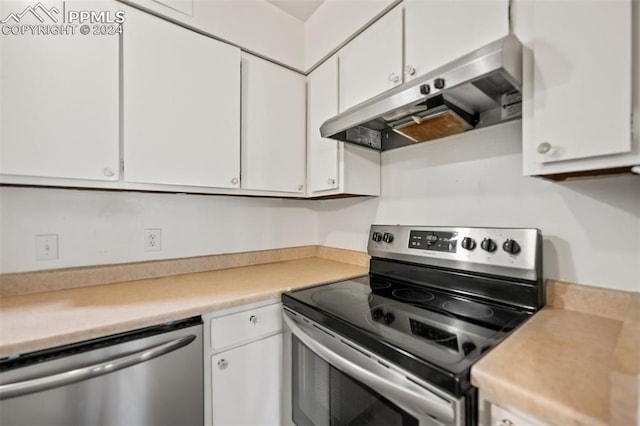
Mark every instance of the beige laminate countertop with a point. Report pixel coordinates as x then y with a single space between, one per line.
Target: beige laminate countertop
565 367
36 321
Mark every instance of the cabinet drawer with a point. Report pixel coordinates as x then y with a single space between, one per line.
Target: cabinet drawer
245 326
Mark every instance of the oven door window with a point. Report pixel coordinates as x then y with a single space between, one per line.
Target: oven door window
323 396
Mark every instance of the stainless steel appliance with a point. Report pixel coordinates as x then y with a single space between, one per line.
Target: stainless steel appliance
480 89
396 347
152 376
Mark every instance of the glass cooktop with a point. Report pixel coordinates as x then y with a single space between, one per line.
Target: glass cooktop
399 320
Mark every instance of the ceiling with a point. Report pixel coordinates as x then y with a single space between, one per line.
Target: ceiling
300 9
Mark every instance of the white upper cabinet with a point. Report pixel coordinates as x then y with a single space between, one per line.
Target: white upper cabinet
181 106
333 167
578 86
372 62
439 31
273 127
322 104
60 105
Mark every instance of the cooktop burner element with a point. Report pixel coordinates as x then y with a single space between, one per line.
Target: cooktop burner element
410 295
336 296
468 309
379 285
436 299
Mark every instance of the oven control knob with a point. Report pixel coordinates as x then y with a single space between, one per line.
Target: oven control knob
377 314
389 318
488 245
387 237
377 237
468 347
468 243
511 246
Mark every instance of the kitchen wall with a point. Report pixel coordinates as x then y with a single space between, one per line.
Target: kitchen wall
97 227
591 228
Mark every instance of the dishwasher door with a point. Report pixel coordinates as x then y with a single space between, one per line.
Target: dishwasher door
152 376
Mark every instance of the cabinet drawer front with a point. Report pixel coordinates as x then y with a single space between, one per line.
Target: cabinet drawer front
245 326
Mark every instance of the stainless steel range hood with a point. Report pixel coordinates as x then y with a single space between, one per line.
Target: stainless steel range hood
477 90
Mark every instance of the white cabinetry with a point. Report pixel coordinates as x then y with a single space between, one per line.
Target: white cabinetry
490 414
59 105
372 62
578 86
332 166
273 127
181 101
244 366
439 31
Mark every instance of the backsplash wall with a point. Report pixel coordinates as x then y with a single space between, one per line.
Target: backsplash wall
591 228
98 227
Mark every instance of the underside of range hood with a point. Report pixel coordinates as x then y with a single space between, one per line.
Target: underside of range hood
480 89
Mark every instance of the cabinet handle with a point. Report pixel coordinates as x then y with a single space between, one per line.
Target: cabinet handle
300 187
253 319
108 172
410 70
222 364
234 181
331 181
394 78
544 148
504 422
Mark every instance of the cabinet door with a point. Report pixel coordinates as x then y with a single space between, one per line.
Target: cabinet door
181 105
273 127
581 88
372 62
322 104
439 31
59 106
247 384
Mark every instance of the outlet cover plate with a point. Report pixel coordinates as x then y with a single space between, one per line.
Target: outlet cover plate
152 239
47 247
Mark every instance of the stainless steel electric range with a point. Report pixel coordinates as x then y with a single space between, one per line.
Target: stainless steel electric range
396 347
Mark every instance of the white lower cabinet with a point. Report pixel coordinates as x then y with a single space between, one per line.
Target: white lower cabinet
490 414
246 383
243 366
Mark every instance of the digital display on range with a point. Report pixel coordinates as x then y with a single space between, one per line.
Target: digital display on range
433 334
433 240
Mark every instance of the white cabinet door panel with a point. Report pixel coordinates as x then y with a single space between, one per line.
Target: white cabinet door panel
372 62
60 100
181 105
322 104
273 127
247 384
581 79
439 31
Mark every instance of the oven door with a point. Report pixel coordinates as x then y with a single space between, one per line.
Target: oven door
331 382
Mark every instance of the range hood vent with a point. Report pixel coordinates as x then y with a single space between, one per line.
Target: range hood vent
480 89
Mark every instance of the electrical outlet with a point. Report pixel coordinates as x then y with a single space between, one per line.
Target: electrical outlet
46 247
152 239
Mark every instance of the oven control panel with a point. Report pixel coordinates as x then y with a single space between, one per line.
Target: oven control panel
433 240
505 251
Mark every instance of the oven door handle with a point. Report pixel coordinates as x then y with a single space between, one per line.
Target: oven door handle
396 387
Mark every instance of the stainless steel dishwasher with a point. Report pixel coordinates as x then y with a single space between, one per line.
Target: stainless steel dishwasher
152 376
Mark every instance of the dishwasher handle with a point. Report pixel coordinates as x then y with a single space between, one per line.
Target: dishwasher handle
12 390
